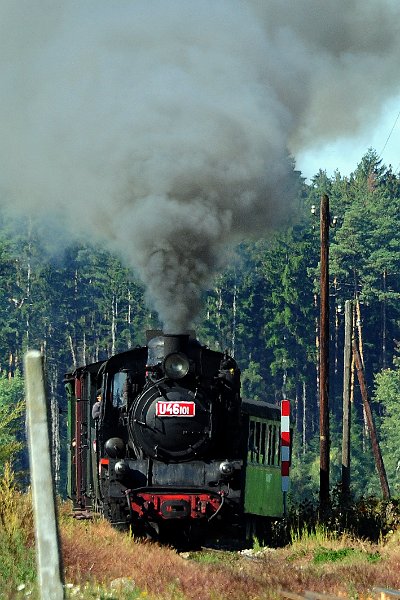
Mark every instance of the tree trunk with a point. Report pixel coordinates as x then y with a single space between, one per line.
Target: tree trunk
73 354
84 359
347 359
129 319
361 353
304 417
384 321
324 355
114 310
55 428
10 366
234 314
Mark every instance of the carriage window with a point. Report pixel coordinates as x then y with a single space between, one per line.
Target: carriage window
251 447
270 445
119 389
263 442
273 445
258 440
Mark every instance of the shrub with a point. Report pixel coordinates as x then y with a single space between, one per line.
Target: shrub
17 554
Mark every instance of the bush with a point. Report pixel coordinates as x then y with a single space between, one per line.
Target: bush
367 518
17 553
12 408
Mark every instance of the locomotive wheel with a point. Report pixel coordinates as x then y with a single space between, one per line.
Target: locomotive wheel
182 535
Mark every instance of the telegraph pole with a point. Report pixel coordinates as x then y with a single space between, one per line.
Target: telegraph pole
324 354
348 333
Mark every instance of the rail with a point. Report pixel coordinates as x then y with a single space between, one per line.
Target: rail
377 593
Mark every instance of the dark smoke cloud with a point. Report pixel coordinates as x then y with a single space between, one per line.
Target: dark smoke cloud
162 129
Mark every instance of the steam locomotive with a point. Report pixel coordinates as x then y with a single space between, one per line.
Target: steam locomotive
174 445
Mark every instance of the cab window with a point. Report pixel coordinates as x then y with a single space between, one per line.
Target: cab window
119 389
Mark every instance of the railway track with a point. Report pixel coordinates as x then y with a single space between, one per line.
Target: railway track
377 593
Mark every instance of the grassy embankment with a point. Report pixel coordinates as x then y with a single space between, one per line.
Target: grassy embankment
100 562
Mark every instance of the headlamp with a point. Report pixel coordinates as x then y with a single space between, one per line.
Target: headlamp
176 365
115 447
121 468
226 468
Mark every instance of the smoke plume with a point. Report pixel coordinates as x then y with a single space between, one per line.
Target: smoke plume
162 129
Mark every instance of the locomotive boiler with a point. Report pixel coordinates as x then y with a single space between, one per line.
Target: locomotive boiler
171 442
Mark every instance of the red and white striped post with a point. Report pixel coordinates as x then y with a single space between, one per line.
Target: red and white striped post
285 449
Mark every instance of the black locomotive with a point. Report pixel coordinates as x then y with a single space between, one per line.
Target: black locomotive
173 442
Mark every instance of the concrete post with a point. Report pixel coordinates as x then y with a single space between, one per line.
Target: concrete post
43 496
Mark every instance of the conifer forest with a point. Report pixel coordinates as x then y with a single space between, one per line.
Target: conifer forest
81 304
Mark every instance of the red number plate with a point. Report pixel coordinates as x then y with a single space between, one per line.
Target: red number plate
175 409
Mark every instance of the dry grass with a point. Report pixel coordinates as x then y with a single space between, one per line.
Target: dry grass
15 507
95 555
93 551
322 563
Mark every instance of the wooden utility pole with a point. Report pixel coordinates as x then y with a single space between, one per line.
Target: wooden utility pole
324 354
380 467
348 332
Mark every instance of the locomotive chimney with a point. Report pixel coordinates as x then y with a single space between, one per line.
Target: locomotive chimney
175 343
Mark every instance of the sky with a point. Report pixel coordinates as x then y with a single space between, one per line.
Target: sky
345 153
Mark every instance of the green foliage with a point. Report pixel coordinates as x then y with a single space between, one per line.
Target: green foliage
327 555
210 557
365 254
12 408
364 518
311 534
387 395
305 473
81 304
304 476
252 382
17 554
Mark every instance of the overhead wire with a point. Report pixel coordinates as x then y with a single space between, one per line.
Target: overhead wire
388 138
